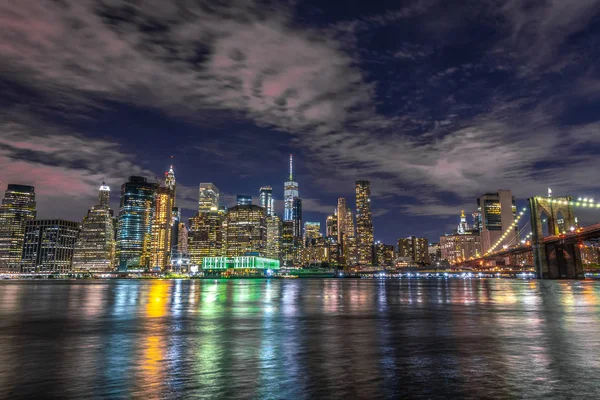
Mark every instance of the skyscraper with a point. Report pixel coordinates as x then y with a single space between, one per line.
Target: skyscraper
104 195
346 234
341 220
95 246
312 232
265 197
463 227
243 200
48 245
206 236
364 223
245 230
160 253
208 197
274 231
290 193
134 230
497 212
297 217
331 226
18 207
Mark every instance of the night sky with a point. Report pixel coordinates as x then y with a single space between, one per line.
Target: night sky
435 102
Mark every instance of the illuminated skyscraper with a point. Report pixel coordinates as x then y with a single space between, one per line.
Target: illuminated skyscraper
245 230
206 236
497 212
312 232
384 255
95 246
134 232
104 195
243 200
48 245
274 228
290 193
297 217
208 197
331 228
346 234
18 207
341 220
160 253
290 244
364 223
265 197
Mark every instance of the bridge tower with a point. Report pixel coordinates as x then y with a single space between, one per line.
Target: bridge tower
554 260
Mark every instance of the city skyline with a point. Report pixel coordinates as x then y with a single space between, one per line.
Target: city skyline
459 105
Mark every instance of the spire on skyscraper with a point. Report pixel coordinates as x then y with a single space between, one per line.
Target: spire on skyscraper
170 178
104 194
291 175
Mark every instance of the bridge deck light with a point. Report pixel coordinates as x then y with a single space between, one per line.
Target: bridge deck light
579 199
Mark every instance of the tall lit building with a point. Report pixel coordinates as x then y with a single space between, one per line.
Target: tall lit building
95 246
290 244
331 226
243 200
312 232
364 223
297 217
162 222
346 233
497 211
134 232
206 236
245 230
175 225
265 197
18 207
104 195
208 197
341 219
414 248
274 228
290 193
49 245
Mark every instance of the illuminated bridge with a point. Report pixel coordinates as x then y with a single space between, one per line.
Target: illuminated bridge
557 255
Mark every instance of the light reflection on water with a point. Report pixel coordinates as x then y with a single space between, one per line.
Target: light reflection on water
299 339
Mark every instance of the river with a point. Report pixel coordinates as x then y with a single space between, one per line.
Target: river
300 339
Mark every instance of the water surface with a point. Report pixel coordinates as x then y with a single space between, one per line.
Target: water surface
299 339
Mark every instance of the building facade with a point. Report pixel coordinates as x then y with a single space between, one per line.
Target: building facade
274 231
245 230
134 232
206 236
384 255
497 211
290 192
456 247
364 223
243 200
208 197
95 246
265 198
48 245
414 249
17 209
331 226
312 232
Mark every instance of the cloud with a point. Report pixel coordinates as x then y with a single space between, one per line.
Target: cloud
453 130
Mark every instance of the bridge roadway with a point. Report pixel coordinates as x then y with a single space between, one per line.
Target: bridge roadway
581 234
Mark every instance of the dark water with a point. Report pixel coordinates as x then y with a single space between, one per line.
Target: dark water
299 339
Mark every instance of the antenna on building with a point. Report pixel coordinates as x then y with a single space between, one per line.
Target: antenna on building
291 175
